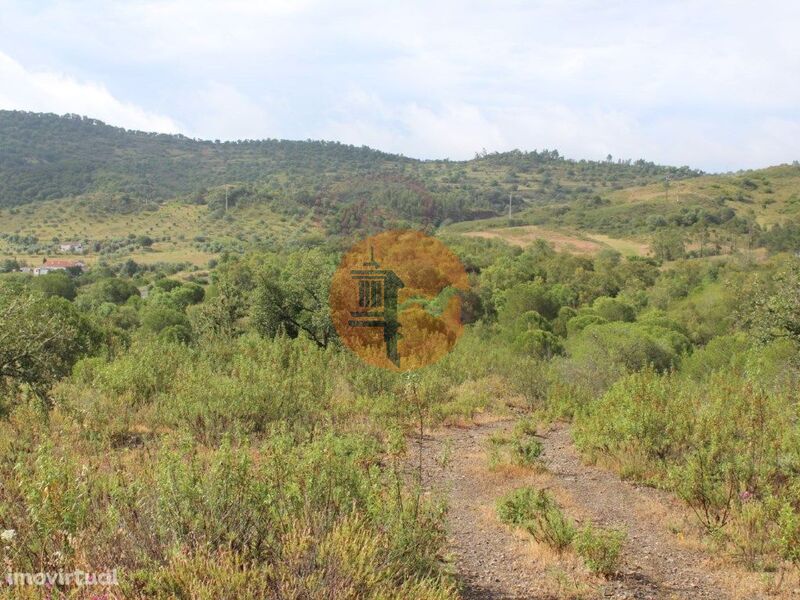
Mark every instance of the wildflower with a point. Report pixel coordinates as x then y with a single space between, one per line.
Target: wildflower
8 535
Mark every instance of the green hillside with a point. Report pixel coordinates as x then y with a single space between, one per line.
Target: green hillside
46 157
710 214
74 178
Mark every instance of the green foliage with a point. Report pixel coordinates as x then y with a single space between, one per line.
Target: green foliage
578 323
157 319
631 346
538 343
114 290
600 548
528 297
40 339
291 296
613 309
7 265
775 310
668 245
56 283
538 513
715 436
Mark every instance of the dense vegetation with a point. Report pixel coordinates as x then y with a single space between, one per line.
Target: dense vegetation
215 435
203 430
45 157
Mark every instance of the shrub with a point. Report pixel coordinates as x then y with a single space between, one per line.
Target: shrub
55 284
613 309
538 513
600 548
578 323
156 319
529 296
526 450
538 343
629 345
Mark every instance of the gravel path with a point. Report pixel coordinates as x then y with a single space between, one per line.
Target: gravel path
493 562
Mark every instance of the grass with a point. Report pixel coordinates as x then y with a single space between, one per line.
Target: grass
563 240
537 512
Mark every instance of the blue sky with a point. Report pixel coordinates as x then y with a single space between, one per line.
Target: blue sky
715 85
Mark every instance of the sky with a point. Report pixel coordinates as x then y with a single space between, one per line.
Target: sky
712 85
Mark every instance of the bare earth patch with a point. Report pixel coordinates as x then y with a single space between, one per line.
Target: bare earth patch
525 235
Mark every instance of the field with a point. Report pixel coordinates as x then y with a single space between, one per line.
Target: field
525 235
180 233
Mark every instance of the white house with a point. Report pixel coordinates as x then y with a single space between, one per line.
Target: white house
76 247
58 265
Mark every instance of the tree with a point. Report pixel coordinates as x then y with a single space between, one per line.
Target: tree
40 339
158 318
55 284
8 265
668 245
292 296
775 312
114 290
530 296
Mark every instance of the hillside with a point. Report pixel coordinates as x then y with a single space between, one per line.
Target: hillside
46 156
710 214
74 178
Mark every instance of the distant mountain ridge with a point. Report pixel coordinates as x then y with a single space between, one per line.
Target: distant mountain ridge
45 156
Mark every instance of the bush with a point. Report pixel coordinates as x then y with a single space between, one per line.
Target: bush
55 284
612 309
538 513
538 343
631 345
156 319
600 548
580 322
526 450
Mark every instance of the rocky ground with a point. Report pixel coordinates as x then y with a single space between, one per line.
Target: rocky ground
495 562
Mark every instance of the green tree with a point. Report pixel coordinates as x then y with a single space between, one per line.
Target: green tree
40 339
8 265
668 245
291 296
55 284
775 310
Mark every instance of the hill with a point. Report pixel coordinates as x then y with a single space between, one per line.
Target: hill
709 214
72 177
45 156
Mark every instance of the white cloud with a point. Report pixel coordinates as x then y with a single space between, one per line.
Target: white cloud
707 83
229 114
45 91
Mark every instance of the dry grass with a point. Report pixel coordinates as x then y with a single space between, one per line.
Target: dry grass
175 225
526 235
576 243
